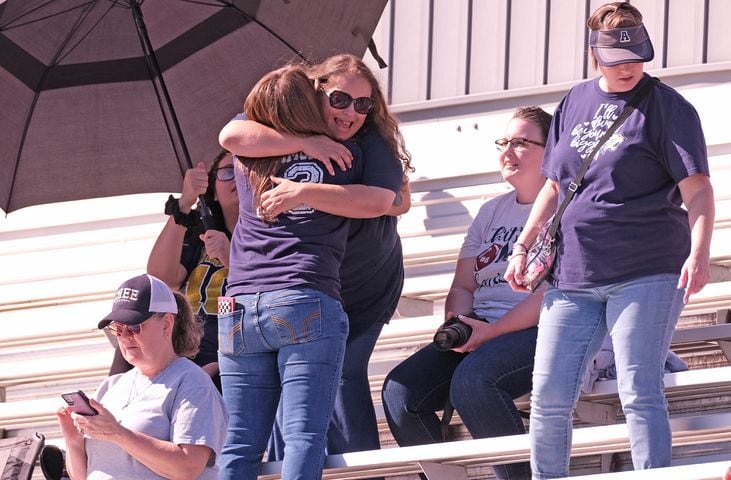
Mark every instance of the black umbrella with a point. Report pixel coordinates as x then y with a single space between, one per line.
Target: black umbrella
111 97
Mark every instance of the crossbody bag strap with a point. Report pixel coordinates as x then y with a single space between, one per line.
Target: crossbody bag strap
574 186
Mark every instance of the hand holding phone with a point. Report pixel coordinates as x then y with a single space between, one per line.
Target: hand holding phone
79 403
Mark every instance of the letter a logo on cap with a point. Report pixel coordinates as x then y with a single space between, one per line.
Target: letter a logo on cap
624 36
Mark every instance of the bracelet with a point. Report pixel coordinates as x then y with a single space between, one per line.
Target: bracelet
517 254
518 244
172 208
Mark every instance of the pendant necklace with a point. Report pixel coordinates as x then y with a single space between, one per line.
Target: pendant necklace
133 391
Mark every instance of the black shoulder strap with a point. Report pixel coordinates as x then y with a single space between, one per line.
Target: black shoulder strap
574 186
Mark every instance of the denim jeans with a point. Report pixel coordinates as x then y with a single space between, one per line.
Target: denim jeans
353 426
640 316
287 342
481 386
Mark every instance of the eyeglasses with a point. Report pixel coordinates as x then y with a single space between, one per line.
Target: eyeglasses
225 174
342 100
518 143
122 330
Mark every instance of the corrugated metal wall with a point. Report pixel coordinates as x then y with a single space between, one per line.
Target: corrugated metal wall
449 48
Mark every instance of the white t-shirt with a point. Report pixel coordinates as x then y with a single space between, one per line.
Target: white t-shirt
180 405
489 241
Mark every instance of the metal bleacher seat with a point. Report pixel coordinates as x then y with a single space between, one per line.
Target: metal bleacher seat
449 461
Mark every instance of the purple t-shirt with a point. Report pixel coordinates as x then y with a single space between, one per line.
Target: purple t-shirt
626 220
303 247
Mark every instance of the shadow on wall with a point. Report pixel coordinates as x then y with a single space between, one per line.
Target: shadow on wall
445 215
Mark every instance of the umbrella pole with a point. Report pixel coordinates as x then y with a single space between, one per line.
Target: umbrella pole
203 209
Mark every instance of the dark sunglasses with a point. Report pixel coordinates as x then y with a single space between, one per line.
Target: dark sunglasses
122 330
342 100
518 143
225 174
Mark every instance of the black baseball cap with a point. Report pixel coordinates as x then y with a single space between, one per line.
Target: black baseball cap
138 299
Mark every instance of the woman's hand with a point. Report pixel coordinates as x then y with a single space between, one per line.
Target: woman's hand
76 459
514 273
697 193
481 333
195 184
218 245
328 151
101 427
285 196
69 431
694 275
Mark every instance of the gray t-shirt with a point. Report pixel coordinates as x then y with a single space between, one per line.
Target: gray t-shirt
489 241
180 405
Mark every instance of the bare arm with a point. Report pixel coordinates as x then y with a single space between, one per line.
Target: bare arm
76 459
353 201
164 259
253 140
405 195
167 459
543 208
697 194
524 315
461 294
164 458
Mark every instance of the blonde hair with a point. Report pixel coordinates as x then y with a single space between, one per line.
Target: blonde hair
380 117
285 101
610 16
187 329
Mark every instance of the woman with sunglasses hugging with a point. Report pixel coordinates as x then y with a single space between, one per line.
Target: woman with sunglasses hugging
282 328
372 271
195 261
162 419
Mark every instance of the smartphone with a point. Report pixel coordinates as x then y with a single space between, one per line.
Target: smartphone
79 403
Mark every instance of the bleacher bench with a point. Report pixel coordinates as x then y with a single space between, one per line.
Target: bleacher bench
449 461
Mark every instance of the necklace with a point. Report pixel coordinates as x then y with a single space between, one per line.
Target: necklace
134 390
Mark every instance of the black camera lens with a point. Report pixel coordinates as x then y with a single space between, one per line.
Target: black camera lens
453 334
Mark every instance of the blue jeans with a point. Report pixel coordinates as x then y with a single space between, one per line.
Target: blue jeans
287 342
640 315
353 426
481 385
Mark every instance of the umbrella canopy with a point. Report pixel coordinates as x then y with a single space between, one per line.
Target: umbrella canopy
82 114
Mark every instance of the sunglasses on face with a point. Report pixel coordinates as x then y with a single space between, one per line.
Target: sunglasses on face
342 100
122 330
225 174
518 143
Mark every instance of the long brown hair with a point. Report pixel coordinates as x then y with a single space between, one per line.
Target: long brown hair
380 117
187 329
285 101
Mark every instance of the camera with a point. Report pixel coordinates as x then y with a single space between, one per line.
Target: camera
452 334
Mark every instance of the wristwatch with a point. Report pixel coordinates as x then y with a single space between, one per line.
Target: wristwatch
172 208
